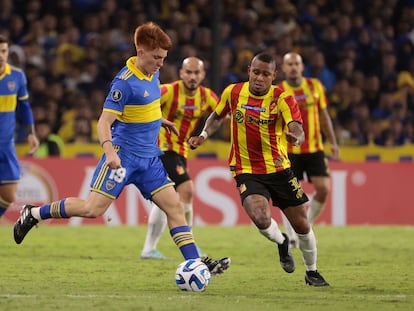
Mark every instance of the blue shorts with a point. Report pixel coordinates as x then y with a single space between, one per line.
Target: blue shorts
9 165
147 174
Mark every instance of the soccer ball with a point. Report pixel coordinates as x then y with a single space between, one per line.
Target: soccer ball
192 275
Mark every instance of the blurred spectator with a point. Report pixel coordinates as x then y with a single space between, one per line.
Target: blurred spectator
317 68
368 46
82 131
50 144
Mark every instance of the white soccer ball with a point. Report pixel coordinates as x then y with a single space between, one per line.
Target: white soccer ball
192 275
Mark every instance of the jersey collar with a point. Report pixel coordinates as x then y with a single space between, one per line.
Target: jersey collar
131 66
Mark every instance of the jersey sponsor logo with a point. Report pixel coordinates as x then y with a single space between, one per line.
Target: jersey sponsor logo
186 107
11 85
305 105
247 107
116 95
239 116
257 121
301 97
146 94
187 116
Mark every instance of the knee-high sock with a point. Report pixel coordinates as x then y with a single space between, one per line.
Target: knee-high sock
188 209
289 229
184 239
314 210
273 233
157 221
307 245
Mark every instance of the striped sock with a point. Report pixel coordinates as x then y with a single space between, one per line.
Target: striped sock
53 210
183 238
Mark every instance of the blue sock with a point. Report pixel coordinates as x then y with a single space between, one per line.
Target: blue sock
53 210
183 238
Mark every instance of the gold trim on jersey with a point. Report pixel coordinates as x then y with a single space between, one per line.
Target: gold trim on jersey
131 66
8 103
127 74
7 71
141 113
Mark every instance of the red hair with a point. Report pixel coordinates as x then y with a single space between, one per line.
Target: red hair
150 36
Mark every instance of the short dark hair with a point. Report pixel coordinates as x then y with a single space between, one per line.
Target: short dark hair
3 39
264 57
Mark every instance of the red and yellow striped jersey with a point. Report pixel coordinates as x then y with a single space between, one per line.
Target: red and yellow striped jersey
258 142
185 111
310 96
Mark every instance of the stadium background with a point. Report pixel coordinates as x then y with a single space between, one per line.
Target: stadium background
362 51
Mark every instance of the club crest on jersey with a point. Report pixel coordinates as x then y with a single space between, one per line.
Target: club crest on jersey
11 85
180 170
272 105
109 185
116 95
242 188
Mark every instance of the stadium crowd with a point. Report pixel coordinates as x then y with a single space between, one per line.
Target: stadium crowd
362 51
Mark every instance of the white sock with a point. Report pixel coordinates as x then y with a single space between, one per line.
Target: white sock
307 245
157 222
273 233
290 232
35 211
314 210
188 210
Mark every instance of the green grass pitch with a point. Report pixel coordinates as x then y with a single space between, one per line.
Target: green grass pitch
98 268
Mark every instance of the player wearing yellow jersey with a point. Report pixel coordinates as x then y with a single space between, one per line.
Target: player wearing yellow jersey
309 158
183 102
263 120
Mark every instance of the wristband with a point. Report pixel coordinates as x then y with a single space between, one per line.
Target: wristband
105 141
204 134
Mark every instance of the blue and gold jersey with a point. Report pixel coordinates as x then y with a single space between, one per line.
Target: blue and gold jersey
135 98
13 92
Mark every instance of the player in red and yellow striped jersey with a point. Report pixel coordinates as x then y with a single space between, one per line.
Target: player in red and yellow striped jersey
309 158
264 119
183 102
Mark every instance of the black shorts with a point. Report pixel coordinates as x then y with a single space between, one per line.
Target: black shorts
176 167
313 164
282 187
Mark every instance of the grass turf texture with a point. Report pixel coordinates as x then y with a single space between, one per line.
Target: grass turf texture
98 268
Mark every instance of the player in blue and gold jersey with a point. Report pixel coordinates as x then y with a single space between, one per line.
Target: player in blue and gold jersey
128 130
14 98
183 102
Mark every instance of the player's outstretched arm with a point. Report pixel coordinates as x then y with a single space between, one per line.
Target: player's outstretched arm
212 124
